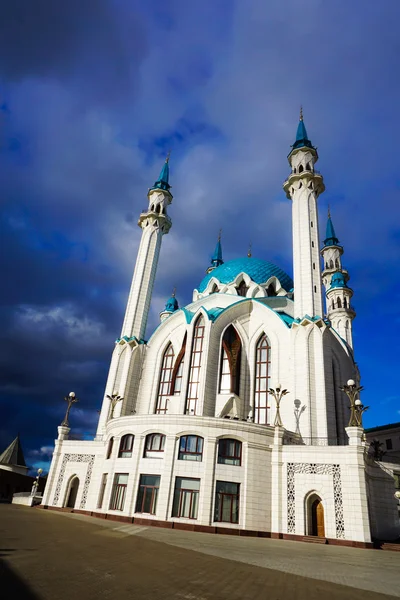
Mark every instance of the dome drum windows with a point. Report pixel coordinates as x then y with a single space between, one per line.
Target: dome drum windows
229 452
126 446
154 445
191 448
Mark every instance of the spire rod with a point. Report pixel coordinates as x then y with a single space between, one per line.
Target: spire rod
168 155
329 211
249 250
301 113
174 292
219 235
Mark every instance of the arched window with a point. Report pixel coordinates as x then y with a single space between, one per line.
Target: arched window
214 289
229 452
345 302
242 289
339 303
333 304
126 446
271 290
308 168
177 374
195 366
191 448
164 387
331 264
337 263
154 445
230 362
301 168
263 361
109 447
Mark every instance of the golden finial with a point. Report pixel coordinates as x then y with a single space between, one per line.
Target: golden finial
301 113
249 251
168 155
329 211
219 235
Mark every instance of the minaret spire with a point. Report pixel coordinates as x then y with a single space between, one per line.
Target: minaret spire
303 187
216 259
335 278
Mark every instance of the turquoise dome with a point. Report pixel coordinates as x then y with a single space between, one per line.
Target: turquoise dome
172 304
258 270
338 280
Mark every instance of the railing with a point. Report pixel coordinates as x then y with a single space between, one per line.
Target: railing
314 441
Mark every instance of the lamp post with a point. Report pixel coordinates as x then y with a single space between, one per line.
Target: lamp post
35 484
297 414
278 394
114 399
71 399
356 406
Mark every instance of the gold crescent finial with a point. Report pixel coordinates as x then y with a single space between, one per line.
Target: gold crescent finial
301 113
168 155
249 251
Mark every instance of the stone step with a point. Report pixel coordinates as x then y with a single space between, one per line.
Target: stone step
393 547
314 539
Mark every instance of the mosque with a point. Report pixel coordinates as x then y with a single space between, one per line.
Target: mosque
233 417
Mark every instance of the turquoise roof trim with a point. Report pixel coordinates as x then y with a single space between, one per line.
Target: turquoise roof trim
162 182
258 270
338 281
129 339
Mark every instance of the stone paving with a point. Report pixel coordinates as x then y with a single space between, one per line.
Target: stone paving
46 555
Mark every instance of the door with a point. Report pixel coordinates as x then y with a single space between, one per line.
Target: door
73 492
317 518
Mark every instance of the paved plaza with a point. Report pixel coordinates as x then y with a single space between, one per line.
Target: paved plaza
46 555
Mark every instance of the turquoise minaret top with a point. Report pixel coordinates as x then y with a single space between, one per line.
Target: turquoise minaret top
331 239
172 303
301 135
162 182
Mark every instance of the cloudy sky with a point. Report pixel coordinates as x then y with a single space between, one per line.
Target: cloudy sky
93 93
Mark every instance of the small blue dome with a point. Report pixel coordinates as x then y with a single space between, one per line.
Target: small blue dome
258 270
338 280
172 304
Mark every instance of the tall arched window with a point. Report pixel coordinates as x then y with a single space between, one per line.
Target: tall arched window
230 362
195 365
177 374
164 387
339 303
263 361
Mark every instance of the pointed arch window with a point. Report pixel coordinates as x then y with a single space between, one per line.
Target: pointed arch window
339 303
195 366
164 387
230 362
263 369
177 374
242 289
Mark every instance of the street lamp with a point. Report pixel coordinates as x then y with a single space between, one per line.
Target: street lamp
278 394
35 484
356 406
71 399
297 414
114 399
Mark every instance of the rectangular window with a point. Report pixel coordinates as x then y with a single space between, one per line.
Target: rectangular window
190 448
389 444
148 494
102 490
119 491
227 502
229 452
186 498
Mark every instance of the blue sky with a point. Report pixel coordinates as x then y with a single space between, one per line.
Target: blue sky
92 96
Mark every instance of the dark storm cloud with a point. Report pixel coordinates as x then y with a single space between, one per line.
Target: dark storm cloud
88 42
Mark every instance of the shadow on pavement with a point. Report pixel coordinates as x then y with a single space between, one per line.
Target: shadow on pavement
12 586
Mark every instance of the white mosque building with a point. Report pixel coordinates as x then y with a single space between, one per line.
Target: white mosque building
190 433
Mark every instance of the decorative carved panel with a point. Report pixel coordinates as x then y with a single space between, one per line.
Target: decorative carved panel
89 458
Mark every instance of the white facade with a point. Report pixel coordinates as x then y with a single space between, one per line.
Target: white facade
193 442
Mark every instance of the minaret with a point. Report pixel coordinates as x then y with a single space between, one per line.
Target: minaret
303 186
170 307
335 278
216 259
154 222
